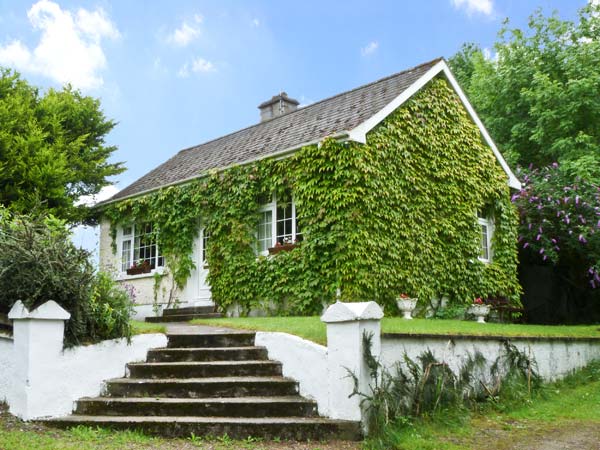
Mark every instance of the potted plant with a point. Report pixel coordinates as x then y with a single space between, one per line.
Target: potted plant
139 267
407 305
479 309
284 246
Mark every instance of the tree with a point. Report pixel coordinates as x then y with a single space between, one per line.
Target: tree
52 148
560 223
539 95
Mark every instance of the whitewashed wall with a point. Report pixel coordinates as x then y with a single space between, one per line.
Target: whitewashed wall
555 357
40 379
302 360
6 366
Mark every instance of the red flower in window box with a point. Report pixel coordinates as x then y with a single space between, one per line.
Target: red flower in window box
139 268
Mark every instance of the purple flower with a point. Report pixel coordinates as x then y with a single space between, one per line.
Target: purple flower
526 244
582 239
553 240
538 237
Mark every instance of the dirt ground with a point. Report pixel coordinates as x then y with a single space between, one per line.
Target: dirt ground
572 435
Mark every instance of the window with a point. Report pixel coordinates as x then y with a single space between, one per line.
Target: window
205 239
277 224
486 226
138 245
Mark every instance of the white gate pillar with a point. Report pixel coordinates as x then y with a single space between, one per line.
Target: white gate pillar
346 325
38 343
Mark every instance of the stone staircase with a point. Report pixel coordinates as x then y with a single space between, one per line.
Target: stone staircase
208 385
185 314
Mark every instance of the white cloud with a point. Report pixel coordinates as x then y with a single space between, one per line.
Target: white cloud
255 23
198 65
69 49
187 32
105 193
474 6
370 48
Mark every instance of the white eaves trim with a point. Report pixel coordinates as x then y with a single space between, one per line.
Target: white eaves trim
359 134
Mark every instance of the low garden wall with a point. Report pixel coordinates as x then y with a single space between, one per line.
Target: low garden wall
323 372
302 360
6 366
40 379
554 357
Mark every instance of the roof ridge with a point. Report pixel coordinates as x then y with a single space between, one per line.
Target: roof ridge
435 60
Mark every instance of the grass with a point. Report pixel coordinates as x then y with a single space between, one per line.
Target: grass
139 327
17 435
566 413
313 329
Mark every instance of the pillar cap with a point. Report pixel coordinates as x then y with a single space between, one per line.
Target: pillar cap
349 312
47 311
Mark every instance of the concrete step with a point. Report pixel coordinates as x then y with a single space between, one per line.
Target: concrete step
293 428
204 369
182 317
202 387
232 339
207 354
289 406
188 310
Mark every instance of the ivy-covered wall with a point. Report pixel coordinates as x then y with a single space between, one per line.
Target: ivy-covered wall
395 215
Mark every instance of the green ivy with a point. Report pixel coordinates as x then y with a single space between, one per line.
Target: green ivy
395 215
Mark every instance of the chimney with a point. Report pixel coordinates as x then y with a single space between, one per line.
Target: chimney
277 106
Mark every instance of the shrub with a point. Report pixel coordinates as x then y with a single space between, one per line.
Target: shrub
428 389
109 311
38 263
560 222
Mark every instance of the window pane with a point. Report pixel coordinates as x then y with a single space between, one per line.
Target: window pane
205 238
265 235
284 223
125 255
485 251
145 248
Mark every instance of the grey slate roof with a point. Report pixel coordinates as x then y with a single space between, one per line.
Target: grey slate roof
314 122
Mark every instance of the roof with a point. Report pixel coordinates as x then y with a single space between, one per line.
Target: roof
332 116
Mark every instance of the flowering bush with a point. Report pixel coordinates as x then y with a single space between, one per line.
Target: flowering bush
560 220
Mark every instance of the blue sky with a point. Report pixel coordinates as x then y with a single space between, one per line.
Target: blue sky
178 73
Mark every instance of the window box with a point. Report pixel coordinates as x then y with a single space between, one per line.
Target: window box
144 268
281 248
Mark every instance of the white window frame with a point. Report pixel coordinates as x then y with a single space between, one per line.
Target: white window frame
489 224
204 238
272 206
121 240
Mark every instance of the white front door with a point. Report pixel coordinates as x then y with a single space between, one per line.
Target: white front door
197 290
204 294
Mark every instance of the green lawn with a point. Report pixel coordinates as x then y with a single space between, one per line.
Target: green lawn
139 327
313 329
566 415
